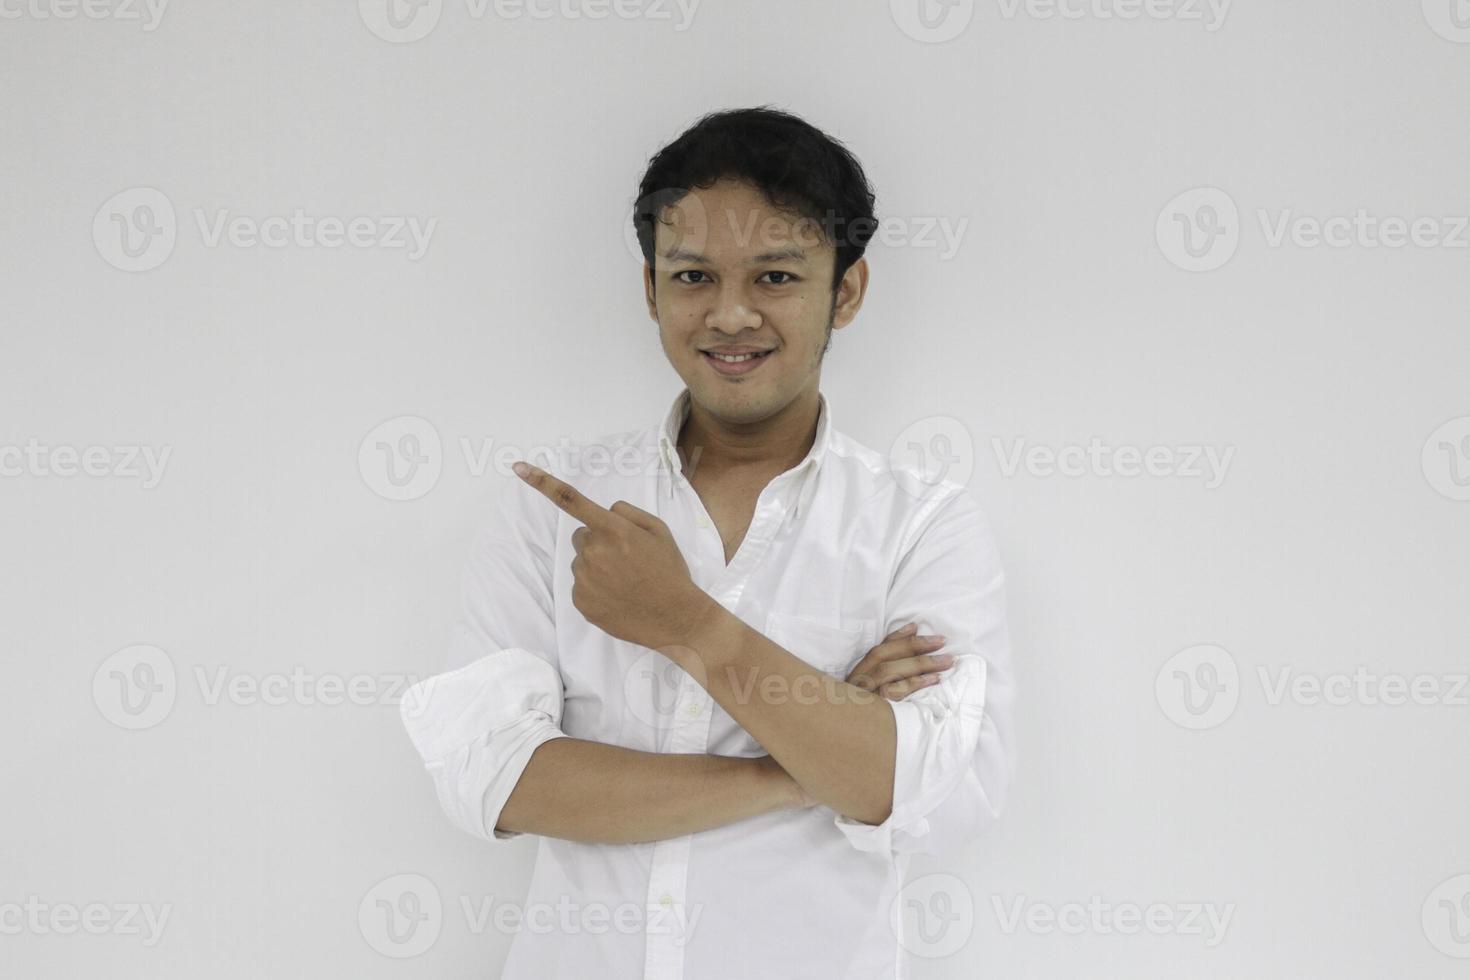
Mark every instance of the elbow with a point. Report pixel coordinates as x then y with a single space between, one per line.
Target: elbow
517 814
874 810
875 816
882 808
478 787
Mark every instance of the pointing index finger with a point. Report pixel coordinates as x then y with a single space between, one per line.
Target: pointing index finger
565 496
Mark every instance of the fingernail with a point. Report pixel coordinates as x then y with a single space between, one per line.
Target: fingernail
521 468
938 639
911 627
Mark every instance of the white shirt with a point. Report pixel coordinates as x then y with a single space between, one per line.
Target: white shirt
843 548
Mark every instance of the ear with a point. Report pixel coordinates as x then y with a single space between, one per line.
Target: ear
850 293
648 294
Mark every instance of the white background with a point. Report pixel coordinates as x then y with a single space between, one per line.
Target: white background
1337 539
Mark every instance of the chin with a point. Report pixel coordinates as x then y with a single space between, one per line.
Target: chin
739 406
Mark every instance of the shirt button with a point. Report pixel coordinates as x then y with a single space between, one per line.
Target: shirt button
692 711
703 521
667 901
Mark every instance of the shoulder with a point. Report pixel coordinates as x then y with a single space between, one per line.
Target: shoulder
912 498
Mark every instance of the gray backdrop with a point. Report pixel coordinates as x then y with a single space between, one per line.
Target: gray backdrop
1178 288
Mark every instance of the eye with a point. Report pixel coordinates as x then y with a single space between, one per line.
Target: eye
687 272
789 277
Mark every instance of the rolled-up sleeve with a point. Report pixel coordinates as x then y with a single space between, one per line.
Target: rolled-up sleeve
955 751
476 725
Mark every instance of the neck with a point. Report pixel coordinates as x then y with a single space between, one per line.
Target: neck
712 446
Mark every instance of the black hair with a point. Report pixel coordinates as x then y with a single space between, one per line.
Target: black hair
797 166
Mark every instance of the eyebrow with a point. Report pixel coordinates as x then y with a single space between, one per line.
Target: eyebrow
792 254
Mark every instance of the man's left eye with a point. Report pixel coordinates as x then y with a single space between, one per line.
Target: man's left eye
789 278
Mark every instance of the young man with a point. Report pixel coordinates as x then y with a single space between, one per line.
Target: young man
703 668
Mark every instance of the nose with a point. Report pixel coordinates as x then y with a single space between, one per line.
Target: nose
733 311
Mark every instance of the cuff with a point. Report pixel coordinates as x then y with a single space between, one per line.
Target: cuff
476 728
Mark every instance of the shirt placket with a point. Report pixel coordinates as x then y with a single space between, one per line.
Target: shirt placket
693 710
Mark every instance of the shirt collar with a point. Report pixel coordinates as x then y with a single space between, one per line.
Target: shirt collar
803 473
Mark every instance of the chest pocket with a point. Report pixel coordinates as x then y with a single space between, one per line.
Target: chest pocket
834 648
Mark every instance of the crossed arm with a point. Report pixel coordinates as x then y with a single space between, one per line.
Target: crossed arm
922 771
586 791
605 794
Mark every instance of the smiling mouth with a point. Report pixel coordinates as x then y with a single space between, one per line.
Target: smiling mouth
735 358
734 365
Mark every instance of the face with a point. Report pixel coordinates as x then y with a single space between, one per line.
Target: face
735 275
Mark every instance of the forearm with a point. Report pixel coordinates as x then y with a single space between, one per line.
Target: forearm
837 741
587 791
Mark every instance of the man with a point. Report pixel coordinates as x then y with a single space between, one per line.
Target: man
704 671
